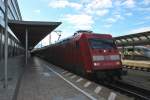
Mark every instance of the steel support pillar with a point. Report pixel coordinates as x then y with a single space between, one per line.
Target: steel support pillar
123 52
26 38
133 55
1 32
6 46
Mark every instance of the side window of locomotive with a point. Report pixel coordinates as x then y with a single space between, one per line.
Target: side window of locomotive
77 44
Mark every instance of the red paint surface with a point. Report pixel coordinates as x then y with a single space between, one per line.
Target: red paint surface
66 53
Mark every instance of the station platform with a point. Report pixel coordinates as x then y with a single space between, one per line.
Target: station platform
136 64
40 83
138 73
15 69
40 80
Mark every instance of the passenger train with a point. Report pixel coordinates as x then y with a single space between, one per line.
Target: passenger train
87 54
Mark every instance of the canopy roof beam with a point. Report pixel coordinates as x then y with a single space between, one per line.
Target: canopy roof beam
36 31
143 38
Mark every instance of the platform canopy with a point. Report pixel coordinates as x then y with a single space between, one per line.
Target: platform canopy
142 38
36 30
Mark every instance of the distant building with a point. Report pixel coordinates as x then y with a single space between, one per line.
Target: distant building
13 11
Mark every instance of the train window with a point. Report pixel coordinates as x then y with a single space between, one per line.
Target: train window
9 41
3 39
130 49
102 43
146 50
77 44
137 49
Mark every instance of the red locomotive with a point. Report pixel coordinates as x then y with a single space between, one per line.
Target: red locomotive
86 53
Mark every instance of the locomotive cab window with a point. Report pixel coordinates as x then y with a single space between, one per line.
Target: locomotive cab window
102 43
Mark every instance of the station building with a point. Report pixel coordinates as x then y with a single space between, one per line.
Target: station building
13 14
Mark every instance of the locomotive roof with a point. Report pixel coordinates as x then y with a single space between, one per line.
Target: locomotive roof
79 35
67 39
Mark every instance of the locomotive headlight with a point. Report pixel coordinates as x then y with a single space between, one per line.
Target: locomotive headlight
96 64
115 57
118 63
98 58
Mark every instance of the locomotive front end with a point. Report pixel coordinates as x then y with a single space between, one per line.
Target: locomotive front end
106 60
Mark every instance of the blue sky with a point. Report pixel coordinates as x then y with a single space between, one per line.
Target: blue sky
117 17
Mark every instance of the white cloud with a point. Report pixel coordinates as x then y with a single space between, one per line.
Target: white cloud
145 9
45 41
146 2
63 4
140 23
144 21
147 18
37 11
117 2
129 14
64 34
138 30
99 4
129 3
111 20
27 18
85 1
102 12
107 25
75 5
58 4
118 16
82 21
95 6
53 36
114 19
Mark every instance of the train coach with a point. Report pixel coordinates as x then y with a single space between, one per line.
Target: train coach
85 53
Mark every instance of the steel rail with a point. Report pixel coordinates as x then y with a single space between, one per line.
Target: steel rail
128 89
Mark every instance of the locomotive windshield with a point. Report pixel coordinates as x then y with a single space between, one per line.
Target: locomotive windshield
102 43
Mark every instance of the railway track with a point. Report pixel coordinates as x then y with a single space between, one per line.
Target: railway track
136 68
137 65
128 89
